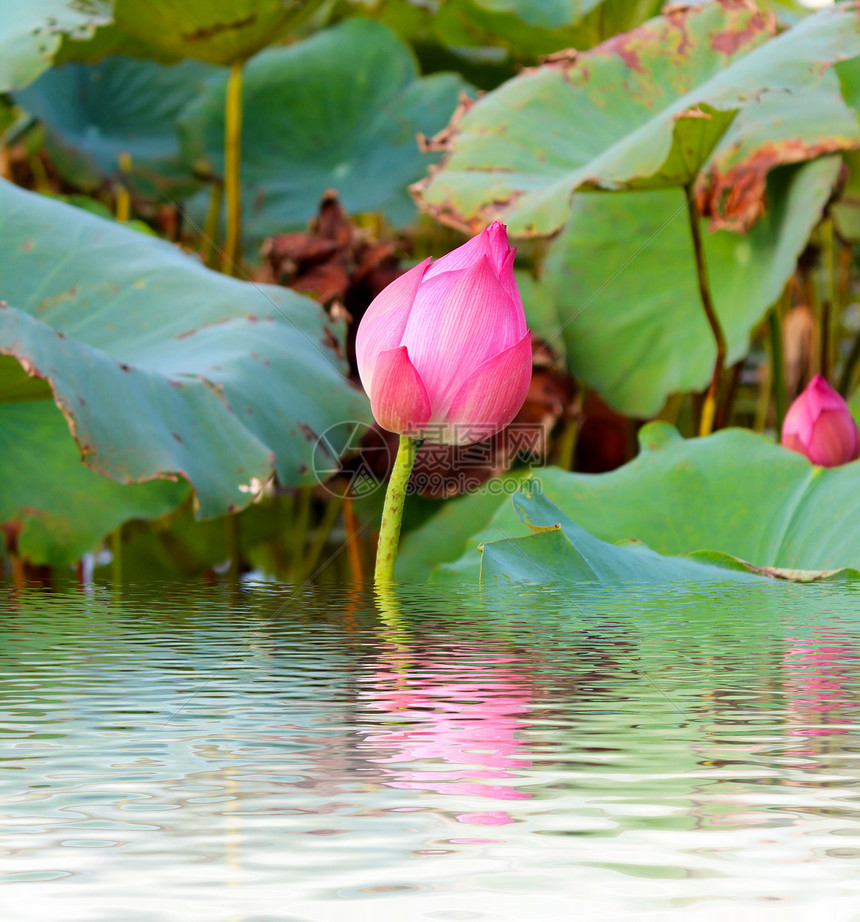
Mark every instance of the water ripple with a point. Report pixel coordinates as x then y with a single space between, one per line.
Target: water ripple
181 752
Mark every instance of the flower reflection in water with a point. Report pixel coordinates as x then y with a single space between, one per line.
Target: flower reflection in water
449 721
820 676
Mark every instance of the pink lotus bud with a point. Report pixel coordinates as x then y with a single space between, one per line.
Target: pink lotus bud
444 352
819 425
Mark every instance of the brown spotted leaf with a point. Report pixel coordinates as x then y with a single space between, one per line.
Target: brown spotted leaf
646 109
782 128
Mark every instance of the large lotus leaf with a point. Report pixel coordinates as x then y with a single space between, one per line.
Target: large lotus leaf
161 366
623 278
95 113
561 552
217 31
32 32
643 110
734 492
340 110
54 507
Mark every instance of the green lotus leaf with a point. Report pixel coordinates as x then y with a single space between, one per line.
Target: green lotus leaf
734 492
54 509
647 109
562 552
96 113
161 367
339 110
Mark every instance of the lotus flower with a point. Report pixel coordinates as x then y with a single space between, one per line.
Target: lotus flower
819 425
444 352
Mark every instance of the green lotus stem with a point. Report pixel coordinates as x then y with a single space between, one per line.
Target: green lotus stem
323 531
780 398
846 379
232 167
672 409
301 520
41 183
210 228
763 399
727 401
231 530
116 556
828 302
392 511
709 408
123 197
566 451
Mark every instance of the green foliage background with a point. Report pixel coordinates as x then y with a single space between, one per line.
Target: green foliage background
140 385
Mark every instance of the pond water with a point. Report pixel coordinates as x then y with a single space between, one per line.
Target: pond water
263 754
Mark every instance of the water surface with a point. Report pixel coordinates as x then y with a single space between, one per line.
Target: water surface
265 754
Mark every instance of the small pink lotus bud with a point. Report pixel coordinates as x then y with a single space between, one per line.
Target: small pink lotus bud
819 425
444 352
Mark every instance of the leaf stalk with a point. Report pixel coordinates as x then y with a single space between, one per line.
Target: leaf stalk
392 511
232 168
709 408
777 362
